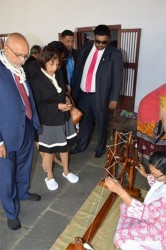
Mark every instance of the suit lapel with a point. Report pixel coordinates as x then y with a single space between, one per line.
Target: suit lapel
106 57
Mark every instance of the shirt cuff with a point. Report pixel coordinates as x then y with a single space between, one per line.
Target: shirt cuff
135 210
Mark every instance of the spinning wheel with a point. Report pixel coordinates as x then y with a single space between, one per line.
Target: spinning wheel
118 155
123 154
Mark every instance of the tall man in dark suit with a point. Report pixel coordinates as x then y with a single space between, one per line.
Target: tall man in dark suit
97 83
18 118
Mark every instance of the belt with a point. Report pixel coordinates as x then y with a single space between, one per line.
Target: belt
88 93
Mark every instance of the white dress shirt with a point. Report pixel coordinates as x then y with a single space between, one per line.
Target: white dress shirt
86 68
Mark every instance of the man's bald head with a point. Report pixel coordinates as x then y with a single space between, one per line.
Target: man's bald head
15 37
16 49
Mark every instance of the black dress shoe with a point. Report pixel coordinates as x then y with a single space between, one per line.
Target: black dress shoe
13 224
34 197
98 155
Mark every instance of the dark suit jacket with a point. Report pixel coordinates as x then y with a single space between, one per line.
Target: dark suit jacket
12 111
34 67
109 75
29 60
47 99
74 53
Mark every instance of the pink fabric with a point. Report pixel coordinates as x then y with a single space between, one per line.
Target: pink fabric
142 222
148 110
90 72
24 97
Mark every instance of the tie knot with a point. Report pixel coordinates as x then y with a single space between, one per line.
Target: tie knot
70 58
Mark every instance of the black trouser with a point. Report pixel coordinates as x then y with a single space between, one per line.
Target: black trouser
87 103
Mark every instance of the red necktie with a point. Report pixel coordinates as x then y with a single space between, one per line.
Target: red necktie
90 72
24 96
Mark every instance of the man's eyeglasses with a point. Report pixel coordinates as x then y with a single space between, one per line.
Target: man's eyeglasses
18 54
101 42
155 175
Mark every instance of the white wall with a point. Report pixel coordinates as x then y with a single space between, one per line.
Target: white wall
41 21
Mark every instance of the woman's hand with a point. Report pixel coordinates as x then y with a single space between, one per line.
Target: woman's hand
142 171
113 185
64 107
116 187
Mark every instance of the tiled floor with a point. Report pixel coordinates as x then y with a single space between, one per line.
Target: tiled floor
43 221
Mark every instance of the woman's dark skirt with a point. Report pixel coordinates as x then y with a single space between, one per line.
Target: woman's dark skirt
56 138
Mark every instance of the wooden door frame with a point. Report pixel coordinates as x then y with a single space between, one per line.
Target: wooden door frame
127 102
2 40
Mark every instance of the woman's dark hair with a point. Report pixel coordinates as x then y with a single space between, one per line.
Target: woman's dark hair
158 160
102 30
48 54
60 47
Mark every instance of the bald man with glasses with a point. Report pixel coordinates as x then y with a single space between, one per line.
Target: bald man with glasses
18 118
96 87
